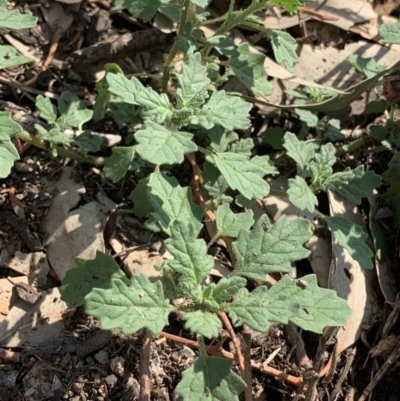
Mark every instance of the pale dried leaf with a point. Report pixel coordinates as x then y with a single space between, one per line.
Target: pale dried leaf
34 265
7 300
29 325
349 279
71 235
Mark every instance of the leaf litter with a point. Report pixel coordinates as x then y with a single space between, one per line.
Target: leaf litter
23 328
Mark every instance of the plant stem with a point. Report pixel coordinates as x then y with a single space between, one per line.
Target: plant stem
185 14
61 151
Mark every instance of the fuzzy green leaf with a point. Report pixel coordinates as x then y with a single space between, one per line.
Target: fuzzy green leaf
229 112
300 301
354 185
300 194
143 9
366 66
124 88
352 238
227 287
193 82
190 254
156 107
47 109
8 153
172 202
390 33
243 146
10 57
119 162
271 248
73 110
210 379
103 94
141 203
204 323
265 163
282 44
241 174
301 152
229 224
159 145
249 68
307 117
392 176
89 142
274 136
89 274
321 167
223 44
130 308
289 5
13 19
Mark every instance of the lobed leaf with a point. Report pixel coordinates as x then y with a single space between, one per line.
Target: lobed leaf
160 145
204 323
172 203
119 162
130 308
300 301
210 378
271 248
229 112
249 68
190 254
229 224
301 195
282 45
89 274
10 57
241 174
13 19
193 82
352 238
301 152
8 153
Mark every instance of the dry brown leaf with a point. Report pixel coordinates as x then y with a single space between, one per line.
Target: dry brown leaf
349 279
71 235
7 300
58 19
34 265
137 261
29 325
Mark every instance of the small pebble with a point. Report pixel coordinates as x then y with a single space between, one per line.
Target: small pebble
101 356
111 380
22 167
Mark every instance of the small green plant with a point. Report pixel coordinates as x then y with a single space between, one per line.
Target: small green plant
201 123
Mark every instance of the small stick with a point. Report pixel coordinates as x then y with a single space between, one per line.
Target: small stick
236 343
144 370
216 351
343 374
248 392
393 357
321 15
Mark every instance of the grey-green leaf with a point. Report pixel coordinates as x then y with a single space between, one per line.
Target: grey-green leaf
130 308
352 238
271 248
241 174
160 145
210 379
301 195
